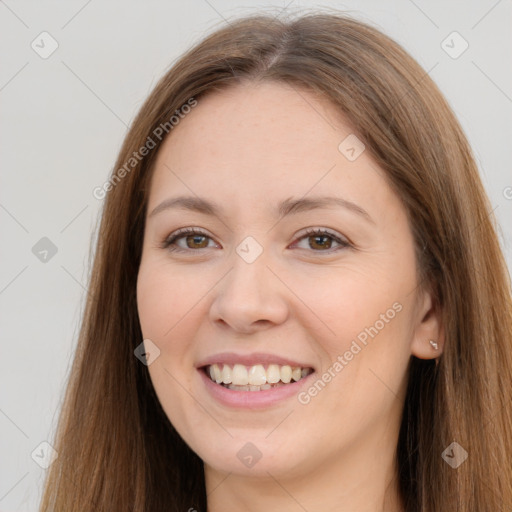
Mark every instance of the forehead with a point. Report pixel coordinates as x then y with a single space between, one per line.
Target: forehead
263 142
259 120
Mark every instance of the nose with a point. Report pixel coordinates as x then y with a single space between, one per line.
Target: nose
250 298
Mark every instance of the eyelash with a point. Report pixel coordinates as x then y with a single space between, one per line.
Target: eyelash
169 242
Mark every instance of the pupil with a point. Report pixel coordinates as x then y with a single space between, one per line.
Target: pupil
196 239
316 238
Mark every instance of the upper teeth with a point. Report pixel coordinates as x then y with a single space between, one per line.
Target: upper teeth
256 375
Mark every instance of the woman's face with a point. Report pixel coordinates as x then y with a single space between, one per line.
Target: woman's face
258 295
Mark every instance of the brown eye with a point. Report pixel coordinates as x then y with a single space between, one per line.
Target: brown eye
194 239
320 240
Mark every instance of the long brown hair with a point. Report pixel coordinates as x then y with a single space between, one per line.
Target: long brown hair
117 450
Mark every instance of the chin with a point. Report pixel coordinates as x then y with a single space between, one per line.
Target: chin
253 455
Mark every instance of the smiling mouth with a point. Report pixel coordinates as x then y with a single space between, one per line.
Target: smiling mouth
258 377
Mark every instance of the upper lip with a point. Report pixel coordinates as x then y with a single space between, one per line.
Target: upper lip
232 358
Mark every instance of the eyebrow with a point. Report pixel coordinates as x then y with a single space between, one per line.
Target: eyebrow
289 206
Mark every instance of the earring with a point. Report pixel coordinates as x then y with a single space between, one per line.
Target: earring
435 346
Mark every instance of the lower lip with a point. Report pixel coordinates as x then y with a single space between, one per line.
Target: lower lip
252 399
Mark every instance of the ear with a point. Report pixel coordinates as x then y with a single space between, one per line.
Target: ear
428 327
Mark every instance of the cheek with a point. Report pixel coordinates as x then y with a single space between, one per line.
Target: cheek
164 298
165 301
170 312
351 302
363 329
364 362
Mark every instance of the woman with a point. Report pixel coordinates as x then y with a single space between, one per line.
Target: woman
298 299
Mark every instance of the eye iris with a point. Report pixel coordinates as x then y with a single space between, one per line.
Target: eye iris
195 239
322 246
317 241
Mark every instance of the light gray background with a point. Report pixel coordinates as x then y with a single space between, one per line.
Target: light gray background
63 120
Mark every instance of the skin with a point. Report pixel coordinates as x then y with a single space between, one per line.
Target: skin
247 148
